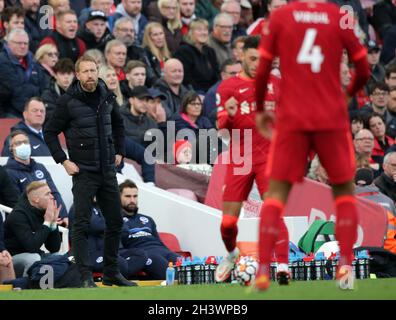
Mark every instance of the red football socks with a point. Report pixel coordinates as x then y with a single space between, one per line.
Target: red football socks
270 219
282 243
346 226
229 231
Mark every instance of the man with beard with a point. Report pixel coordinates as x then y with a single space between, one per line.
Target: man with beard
94 131
140 232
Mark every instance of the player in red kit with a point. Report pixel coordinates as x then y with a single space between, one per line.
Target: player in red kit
236 102
309 38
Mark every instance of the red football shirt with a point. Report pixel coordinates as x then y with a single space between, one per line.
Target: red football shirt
309 39
243 90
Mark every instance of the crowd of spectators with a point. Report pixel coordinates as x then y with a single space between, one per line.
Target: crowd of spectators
164 60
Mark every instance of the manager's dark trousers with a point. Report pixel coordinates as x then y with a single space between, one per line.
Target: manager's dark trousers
104 186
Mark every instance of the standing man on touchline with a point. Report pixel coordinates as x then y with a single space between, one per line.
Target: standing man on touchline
94 131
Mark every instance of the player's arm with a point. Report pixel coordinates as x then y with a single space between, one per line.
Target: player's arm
265 119
358 55
224 96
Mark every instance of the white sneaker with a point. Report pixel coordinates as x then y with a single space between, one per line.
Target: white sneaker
225 267
345 278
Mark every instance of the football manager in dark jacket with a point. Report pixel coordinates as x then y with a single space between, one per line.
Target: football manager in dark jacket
94 132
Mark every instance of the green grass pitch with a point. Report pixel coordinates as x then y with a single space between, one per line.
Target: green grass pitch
371 289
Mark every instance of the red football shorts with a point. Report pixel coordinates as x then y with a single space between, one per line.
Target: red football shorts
238 182
289 151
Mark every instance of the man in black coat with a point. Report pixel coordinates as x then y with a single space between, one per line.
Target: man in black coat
21 77
31 224
95 33
8 191
94 132
386 182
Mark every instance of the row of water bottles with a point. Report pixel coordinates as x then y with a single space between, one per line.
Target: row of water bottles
318 267
193 271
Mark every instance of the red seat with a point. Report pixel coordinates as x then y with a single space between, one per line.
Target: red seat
171 241
5 129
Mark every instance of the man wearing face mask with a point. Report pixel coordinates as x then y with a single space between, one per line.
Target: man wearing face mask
23 170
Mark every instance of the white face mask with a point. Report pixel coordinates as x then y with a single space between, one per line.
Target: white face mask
23 151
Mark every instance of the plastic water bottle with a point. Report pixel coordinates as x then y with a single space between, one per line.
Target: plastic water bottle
170 274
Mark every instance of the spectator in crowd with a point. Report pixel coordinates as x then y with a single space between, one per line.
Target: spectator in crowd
373 57
384 16
191 118
133 10
201 69
187 15
155 108
108 74
136 152
388 54
205 9
34 23
115 54
129 261
229 68
94 134
364 144
257 26
390 114
20 77
57 6
12 18
124 31
220 38
182 152
317 172
171 86
95 33
97 55
237 47
140 232
382 142
136 121
8 191
246 14
102 5
23 170
31 224
367 189
346 78
360 14
379 95
32 125
135 73
390 75
357 123
233 8
169 18
6 267
386 182
64 75
156 50
64 37
47 56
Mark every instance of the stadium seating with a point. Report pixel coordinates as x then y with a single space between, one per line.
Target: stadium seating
5 127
